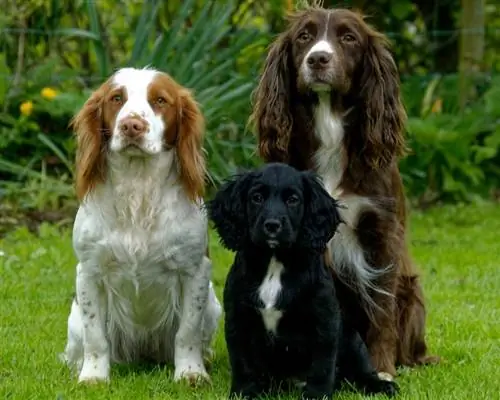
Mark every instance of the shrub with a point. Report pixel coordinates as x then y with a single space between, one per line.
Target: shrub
454 155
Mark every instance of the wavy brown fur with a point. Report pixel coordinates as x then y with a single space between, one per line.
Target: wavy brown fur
368 97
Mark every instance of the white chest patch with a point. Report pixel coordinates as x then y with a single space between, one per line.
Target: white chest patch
329 157
269 291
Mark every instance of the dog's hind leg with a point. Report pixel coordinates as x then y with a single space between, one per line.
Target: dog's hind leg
73 353
188 352
355 366
211 319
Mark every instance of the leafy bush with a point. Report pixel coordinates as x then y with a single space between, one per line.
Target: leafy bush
216 49
208 49
455 156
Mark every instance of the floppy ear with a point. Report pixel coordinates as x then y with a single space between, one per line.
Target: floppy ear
271 116
384 114
91 137
189 145
321 215
227 210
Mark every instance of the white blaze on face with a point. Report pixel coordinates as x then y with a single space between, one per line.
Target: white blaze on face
135 84
322 45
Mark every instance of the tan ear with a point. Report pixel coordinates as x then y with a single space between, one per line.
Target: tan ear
90 155
189 146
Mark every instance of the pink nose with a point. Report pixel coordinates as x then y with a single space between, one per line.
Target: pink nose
133 127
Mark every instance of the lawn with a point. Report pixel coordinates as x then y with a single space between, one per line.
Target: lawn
457 248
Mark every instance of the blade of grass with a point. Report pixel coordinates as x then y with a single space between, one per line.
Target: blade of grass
100 51
160 54
74 32
144 27
57 151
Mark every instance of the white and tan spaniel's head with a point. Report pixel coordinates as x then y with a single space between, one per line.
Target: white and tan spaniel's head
139 113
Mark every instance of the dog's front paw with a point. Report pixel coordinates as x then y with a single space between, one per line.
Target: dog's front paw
382 386
193 373
94 370
247 391
311 392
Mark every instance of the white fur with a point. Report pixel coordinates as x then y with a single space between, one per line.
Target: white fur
269 291
136 83
322 45
143 285
330 160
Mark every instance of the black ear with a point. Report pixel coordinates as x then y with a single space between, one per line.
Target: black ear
227 210
321 214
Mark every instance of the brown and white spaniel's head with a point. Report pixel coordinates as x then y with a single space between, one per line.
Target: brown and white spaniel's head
335 52
139 113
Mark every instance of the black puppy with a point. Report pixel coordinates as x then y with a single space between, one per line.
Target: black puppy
283 319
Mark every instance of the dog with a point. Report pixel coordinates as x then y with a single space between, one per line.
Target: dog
329 100
282 317
143 289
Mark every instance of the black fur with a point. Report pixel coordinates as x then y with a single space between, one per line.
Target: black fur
313 341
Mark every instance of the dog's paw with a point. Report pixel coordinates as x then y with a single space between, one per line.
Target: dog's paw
385 376
248 391
194 375
94 370
317 393
91 381
380 386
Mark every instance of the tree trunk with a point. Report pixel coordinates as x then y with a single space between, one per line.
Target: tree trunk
471 47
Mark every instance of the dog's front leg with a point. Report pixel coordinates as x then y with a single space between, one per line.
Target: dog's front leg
92 303
321 379
188 340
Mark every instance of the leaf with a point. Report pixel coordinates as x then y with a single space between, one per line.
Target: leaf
74 32
4 83
143 29
51 145
401 9
100 51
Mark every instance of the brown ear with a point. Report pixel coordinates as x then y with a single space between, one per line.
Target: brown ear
271 116
90 152
385 116
191 126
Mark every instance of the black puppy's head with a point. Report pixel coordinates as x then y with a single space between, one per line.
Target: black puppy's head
275 206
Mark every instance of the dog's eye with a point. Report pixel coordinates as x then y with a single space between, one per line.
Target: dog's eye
348 38
304 36
161 101
117 98
257 198
293 200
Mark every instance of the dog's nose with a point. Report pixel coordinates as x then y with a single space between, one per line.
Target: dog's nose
319 59
272 226
133 127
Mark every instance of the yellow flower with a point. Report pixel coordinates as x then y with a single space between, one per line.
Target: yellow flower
48 93
437 107
26 108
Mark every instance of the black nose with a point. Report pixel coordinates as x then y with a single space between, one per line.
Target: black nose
272 226
319 59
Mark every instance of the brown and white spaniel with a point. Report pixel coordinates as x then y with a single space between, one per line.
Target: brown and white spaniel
143 289
329 100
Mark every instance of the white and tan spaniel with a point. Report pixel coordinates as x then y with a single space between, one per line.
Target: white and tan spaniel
143 289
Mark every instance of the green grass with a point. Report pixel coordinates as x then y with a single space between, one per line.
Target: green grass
458 249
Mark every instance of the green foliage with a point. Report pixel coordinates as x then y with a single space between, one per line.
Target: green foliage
217 49
455 156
